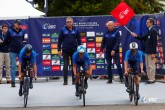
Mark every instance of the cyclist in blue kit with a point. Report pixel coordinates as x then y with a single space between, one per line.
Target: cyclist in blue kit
27 55
81 59
133 58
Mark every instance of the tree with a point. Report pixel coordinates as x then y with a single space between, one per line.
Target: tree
97 7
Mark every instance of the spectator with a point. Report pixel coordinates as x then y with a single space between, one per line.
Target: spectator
69 38
15 37
4 55
150 39
110 42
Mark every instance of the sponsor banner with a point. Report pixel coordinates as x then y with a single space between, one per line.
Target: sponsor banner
91 39
54 51
92 55
46 46
98 44
45 34
62 62
46 51
46 57
46 40
100 61
46 68
83 39
90 34
54 46
98 56
55 56
56 68
46 62
55 35
56 62
99 39
90 50
91 45
120 49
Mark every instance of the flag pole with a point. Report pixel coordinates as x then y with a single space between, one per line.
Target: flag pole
127 29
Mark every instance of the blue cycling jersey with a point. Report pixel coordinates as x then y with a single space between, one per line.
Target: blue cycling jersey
76 59
22 56
136 58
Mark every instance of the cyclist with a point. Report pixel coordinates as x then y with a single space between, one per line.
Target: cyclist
27 54
132 59
81 59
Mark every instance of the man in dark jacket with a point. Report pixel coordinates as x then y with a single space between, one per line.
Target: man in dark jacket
69 38
4 55
15 37
150 39
110 42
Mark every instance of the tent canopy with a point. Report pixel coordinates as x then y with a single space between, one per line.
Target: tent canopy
10 9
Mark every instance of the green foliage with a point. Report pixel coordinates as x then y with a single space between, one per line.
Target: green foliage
96 7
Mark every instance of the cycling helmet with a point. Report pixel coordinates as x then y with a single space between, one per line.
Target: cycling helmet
133 45
28 48
81 49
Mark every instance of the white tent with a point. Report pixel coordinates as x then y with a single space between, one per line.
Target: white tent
11 9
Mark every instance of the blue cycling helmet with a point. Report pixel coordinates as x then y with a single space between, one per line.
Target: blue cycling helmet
81 49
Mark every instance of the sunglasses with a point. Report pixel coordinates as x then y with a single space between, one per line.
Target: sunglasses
69 22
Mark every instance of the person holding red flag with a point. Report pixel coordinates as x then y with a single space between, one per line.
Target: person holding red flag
150 39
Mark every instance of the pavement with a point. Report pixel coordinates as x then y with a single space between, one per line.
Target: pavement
54 93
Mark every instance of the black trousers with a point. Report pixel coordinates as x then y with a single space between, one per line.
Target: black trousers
66 56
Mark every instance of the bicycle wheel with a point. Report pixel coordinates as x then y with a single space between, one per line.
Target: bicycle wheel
135 96
83 92
26 92
80 88
130 88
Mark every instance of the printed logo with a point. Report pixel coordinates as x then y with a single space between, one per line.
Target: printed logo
46 57
46 51
97 50
46 46
92 55
46 62
99 33
83 39
123 13
90 50
48 26
56 62
55 68
54 35
82 34
54 51
92 61
54 46
91 45
54 40
100 61
100 66
91 39
46 68
98 56
24 27
45 35
98 39
55 56
98 44
45 40
90 34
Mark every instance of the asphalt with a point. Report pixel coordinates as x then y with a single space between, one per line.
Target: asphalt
54 93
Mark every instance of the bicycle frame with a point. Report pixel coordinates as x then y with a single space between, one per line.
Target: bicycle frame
132 87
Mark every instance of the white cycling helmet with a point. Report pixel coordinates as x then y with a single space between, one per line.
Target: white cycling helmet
81 49
133 45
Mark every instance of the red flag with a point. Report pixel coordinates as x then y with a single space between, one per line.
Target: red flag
123 13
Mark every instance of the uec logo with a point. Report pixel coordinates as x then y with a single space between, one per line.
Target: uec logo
48 26
123 13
